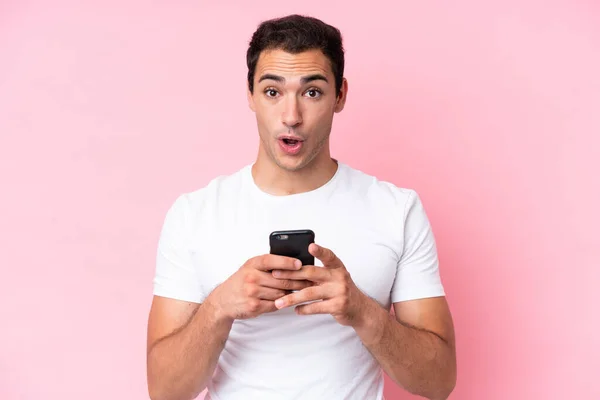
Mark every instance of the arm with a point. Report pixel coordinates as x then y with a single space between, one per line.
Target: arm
185 339
184 343
185 334
416 348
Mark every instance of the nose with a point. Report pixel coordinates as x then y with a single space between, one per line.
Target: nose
292 114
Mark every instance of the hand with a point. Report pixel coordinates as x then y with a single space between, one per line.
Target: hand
251 290
333 285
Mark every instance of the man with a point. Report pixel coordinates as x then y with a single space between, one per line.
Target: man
245 324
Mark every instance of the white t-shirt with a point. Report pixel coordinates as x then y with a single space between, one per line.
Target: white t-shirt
379 231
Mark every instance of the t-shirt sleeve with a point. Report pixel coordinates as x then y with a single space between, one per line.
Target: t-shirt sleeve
175 276
417 274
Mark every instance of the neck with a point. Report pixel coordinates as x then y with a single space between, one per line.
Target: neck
277 181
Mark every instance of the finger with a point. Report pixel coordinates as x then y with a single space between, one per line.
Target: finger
267 306
308 272
258 307
268 262
284 284
327 257
267 293
309 294
319 307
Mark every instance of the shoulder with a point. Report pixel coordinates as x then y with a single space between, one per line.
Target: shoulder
378 192
215 192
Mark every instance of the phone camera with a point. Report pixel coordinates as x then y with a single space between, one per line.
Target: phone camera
282 237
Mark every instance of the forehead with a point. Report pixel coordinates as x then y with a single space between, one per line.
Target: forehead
288 65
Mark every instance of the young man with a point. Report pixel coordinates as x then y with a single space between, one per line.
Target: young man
245 324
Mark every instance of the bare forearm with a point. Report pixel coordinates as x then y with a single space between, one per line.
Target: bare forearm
181 364
420 361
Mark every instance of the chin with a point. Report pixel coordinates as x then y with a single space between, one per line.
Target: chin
291 164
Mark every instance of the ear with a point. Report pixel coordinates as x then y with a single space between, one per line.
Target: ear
341 99
250 97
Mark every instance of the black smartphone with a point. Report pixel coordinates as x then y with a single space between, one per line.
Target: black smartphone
293 243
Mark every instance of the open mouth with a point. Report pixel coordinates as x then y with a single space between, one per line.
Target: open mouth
291 146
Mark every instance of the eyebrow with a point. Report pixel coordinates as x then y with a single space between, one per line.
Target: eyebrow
303 80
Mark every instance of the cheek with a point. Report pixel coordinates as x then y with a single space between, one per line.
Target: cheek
262 118
267 114
319 118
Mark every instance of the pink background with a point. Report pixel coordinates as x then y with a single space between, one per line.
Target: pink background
490 110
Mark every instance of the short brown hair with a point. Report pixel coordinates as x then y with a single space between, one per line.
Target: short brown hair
295 34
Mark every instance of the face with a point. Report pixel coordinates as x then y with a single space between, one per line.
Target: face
294 100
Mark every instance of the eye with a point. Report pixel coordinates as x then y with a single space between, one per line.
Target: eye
270 92
313 93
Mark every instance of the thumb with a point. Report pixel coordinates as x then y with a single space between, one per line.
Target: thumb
327 257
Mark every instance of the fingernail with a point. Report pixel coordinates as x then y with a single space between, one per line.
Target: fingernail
297 263
278 303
